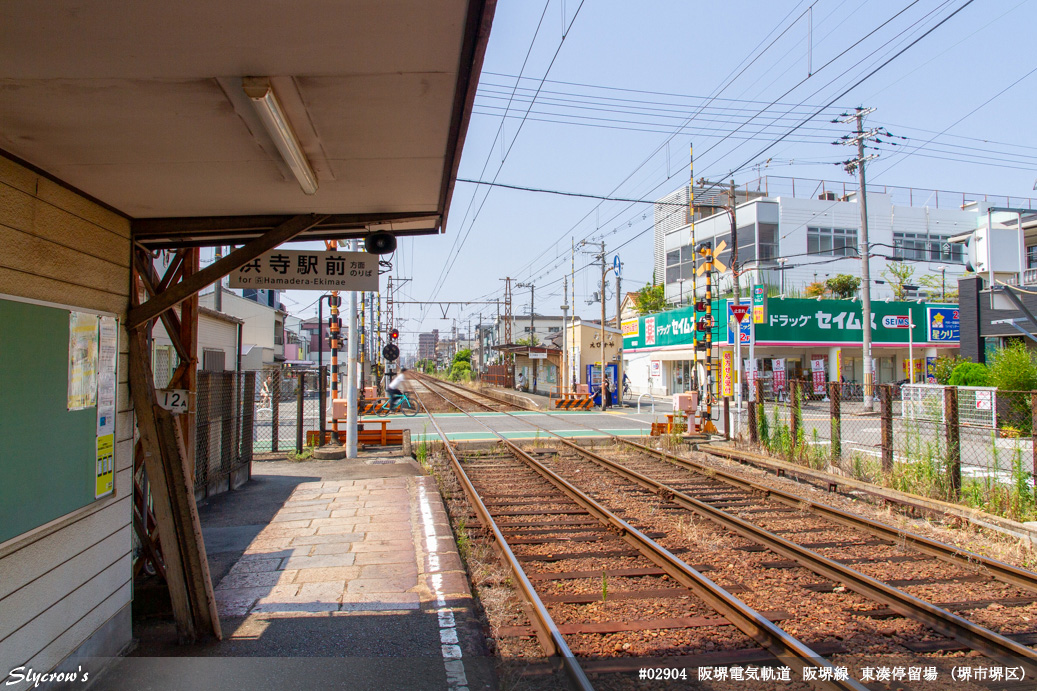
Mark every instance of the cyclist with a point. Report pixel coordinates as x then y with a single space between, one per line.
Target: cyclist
394 389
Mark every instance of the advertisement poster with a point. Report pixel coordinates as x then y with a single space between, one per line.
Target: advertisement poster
778 371
943 324
657 369
930 370
751 373
817 368
104 470
726 374
82 360
759 304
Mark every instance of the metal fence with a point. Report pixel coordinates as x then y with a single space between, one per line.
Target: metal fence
940 441
223 430
500 375
287 406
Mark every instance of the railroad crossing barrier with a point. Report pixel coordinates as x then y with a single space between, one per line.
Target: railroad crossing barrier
575 401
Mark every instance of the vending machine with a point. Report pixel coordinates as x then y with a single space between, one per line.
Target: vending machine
593 382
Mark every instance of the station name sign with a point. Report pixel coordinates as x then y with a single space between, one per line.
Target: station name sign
309 270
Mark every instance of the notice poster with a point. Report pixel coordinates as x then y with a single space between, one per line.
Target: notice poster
778 373
726 374
82 360
108 353
817 368
104 470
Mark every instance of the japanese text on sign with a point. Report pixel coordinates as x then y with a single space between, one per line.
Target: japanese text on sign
943 324
309 270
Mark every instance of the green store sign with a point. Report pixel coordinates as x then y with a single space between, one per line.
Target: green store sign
795 322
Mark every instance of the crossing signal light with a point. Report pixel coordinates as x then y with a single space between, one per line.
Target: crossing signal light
394 334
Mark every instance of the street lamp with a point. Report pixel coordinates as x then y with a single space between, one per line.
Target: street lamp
943 283
781 261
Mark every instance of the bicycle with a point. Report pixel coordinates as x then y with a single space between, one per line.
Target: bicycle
403 404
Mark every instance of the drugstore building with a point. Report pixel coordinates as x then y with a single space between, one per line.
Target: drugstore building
795 339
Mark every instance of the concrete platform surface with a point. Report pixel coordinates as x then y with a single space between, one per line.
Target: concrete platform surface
352 561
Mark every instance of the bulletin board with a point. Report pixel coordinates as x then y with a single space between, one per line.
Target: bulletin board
57 412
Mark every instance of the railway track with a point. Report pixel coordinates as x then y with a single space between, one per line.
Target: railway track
462 398
566 539
919 584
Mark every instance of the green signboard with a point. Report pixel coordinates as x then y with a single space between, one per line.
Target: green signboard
671 328
794 322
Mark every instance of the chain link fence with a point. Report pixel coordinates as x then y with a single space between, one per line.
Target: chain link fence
223 430
973 444
287 406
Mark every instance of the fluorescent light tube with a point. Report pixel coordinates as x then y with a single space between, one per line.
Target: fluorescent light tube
272 115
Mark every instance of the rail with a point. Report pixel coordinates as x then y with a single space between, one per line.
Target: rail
546 629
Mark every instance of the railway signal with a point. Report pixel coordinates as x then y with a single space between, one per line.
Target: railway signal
707 267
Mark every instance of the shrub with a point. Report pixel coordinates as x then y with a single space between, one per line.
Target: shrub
970 374
1014 368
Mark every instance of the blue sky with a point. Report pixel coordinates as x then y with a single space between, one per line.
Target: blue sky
632 85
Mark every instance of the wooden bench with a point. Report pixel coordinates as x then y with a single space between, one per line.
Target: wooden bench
379 437
383 436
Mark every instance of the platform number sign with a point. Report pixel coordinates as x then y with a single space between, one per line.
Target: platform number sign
173 400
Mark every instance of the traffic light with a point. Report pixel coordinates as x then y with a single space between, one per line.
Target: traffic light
394 334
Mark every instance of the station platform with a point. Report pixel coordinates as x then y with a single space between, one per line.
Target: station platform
350 561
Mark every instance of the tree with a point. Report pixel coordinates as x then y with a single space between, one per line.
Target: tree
944 366
650 299
815 290
843 285
938 288
530 340
461 370
899 275
463 355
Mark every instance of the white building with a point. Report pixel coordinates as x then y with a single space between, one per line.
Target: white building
262 331
801 231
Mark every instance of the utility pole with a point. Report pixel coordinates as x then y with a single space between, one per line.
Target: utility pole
860 137
604 272
694 271
509 358
734 243
737 325
564 374
619 354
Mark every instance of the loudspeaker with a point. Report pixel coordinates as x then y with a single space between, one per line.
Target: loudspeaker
380 242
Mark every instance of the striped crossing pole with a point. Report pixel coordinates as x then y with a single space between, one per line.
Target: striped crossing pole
334 328
707 252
